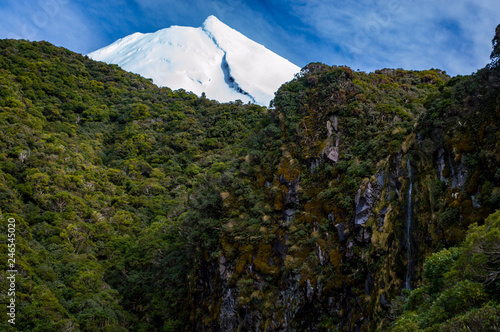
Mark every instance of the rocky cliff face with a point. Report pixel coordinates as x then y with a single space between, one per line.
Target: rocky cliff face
369 174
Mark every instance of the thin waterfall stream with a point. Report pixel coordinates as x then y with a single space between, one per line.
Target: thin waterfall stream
408 227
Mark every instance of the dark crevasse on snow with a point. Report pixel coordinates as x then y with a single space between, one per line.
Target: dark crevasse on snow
230 81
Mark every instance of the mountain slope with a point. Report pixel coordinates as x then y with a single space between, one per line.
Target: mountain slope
90 157
140 208
214 59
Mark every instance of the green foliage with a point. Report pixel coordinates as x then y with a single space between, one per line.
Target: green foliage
486 318
436 267
460 289
448 217
453 301
480 260
406 323
107 175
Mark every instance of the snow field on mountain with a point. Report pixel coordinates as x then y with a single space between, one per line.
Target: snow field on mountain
214 59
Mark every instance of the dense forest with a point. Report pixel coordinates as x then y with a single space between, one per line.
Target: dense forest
356 202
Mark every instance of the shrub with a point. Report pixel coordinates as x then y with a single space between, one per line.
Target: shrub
448 217
437 265
458 299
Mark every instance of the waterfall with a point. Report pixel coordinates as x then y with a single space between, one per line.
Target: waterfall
408 227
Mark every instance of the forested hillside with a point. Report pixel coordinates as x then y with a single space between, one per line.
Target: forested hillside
356 203
111 181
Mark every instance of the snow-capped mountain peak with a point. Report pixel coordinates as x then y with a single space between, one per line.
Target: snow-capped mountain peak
214 59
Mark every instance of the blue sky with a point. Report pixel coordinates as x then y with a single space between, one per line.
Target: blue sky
452 35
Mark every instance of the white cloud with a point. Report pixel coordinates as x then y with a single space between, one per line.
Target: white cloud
368 34
413 34
57 21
